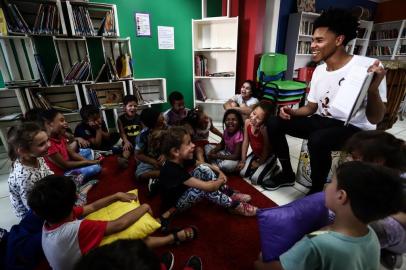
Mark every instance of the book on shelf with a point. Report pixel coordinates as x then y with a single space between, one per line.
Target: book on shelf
80 71
306 28
113 74
3 23
82 22
10 117
137 94
201 65
352 93
200 91
303 47
114 96
385 34
15 21
55 73
222 74
47 20
123 66
41 70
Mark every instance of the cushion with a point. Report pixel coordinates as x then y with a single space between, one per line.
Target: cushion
281 227
145 226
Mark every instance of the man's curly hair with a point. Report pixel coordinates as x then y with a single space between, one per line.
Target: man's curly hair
339 21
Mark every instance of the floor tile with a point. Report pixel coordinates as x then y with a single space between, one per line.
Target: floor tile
7 215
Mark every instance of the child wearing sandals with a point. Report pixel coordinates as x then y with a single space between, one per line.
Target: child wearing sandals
28 144
227 153
65 238
200 125
181 189
61 159
261 164
383 148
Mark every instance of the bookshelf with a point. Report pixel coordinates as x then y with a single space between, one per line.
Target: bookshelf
92 19
388 41
74 60
214 42
65 98
359 45
151 91
39 17
299 38
118 57
106 95
17 63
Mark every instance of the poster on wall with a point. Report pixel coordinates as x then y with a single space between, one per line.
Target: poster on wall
166 37
142 24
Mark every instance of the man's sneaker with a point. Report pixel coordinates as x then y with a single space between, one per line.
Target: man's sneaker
153 186
168 260
279 180
241 197
194 263
245 209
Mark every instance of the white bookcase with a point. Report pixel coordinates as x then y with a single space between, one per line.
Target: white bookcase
215 39
299 38
359 45
388 41
152 90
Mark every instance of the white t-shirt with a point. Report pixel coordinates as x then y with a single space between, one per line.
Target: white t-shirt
325 84
238 99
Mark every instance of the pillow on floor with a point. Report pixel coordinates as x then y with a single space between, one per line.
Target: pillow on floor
281 227
145 226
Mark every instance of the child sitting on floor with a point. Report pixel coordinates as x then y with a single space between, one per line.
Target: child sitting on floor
383 148
147 153
245 101
27 145
181 189
129 125
66 238
227 153
261 164
93 129
177 113
61 159
358 194
200 124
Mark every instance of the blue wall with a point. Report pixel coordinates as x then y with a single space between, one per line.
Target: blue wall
289 6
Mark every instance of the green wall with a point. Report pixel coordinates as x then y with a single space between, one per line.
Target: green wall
149 62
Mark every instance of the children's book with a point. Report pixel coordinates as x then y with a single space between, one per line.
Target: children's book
351 93
3 23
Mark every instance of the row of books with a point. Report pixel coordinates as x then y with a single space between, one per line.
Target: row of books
385 34
47 20
108 25
303 47
306 28
201 67
82 23
379 50
357 49
39 100
15 21
42 74
110 98
80 71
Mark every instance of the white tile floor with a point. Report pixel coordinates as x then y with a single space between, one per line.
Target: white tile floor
281 196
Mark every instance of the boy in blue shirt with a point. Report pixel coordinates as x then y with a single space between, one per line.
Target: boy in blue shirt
358 194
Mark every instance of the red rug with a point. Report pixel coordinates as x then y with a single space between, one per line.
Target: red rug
225 241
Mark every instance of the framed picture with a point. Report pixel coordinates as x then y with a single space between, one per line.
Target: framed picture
142 24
